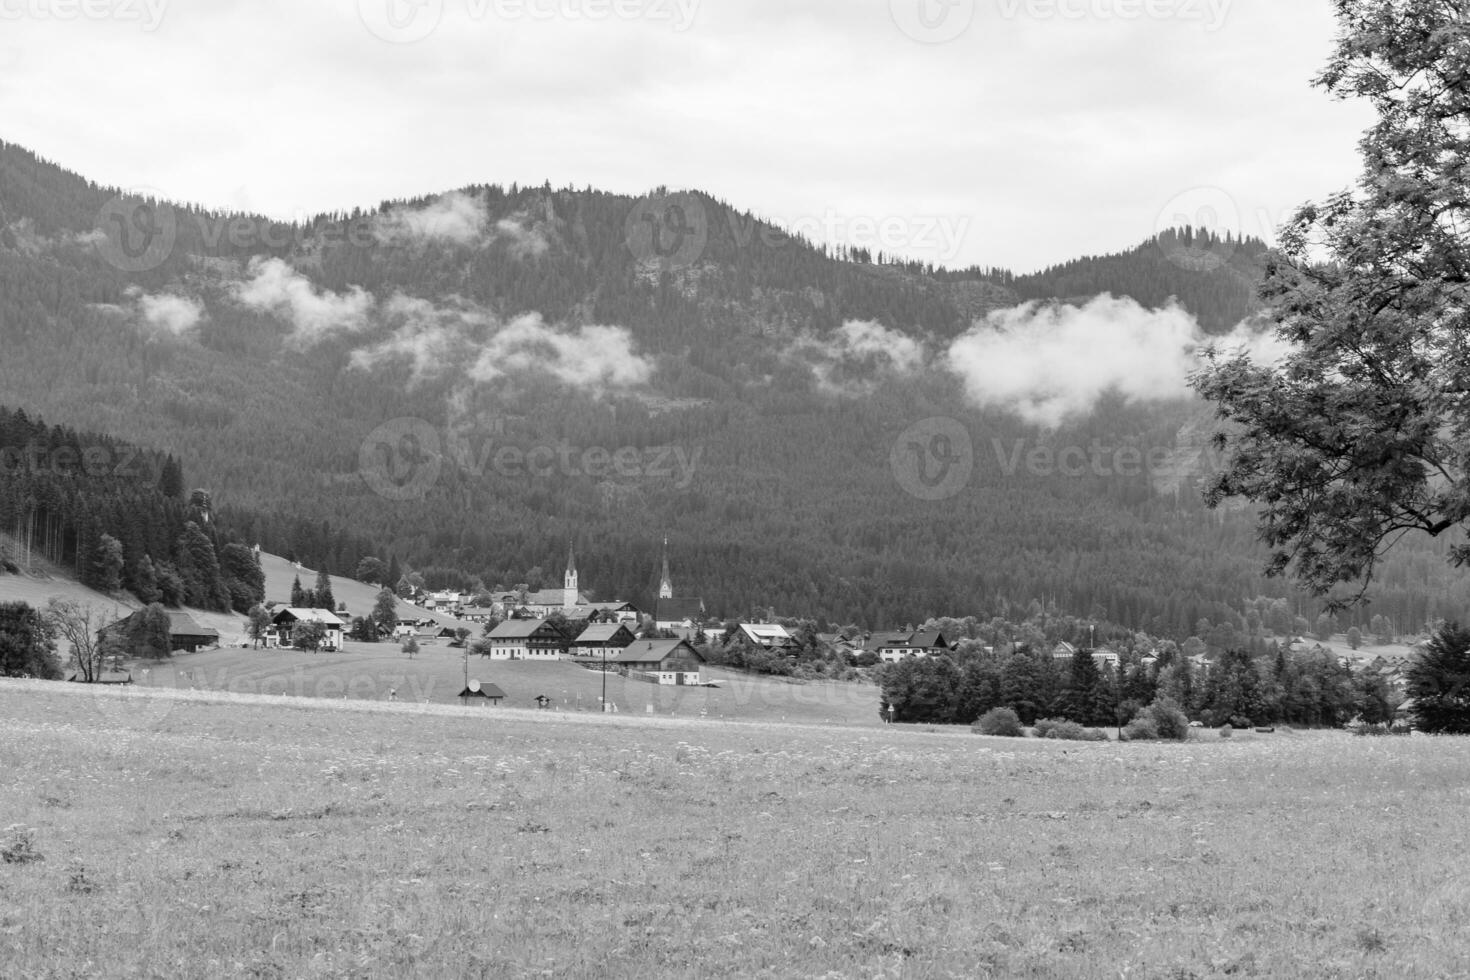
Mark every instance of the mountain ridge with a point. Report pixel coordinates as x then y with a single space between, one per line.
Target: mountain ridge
495 319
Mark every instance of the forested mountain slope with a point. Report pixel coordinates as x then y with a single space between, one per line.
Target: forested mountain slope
762 392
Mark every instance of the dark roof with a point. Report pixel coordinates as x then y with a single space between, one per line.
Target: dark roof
678 610
180 623
602 632
909 640
521 629
654 652
491 691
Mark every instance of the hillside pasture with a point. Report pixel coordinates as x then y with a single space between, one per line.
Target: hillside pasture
304 839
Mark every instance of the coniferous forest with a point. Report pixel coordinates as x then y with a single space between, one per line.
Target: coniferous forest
722 400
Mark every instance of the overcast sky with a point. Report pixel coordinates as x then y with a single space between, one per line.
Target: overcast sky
1000 132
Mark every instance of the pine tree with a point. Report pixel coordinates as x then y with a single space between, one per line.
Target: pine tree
324 598
1439 682
199 568
298 597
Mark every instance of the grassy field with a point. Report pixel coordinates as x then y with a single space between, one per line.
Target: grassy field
369 671
350 839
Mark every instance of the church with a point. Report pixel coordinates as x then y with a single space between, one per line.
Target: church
682 616
569 600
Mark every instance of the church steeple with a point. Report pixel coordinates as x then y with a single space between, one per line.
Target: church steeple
569 582
666 584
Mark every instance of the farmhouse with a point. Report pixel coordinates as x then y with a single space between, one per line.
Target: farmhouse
602 637
893 647
667 661
183 632
287 620
526 639
766 635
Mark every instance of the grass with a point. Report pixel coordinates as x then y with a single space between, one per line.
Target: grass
255 838
368 671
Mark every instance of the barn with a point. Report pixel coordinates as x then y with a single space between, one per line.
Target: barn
667 661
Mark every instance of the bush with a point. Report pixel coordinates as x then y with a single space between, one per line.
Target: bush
1168 719
1226 731
1069 731
1000 721
1141 729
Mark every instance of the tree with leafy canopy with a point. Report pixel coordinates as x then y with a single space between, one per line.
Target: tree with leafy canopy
309 635
385 610
150 633
1354 637
27 646
1362 433
1438 681
256 625
372 571
107 564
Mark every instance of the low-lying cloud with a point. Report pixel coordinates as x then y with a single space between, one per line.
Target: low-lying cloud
430 337
455 217
167 313
1048 362
855 357
594 358
314 314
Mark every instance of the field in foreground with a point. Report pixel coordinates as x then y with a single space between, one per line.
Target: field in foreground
369 671
310 840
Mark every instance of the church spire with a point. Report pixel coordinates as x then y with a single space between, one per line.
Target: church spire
570 592
666 584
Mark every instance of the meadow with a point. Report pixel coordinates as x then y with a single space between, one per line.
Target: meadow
250 836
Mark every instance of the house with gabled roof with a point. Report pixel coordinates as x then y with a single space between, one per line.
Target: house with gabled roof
600 638
526 639
184 632
671 662
895 646
768 636
288 619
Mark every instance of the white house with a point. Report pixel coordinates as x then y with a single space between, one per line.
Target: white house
286 621
526 639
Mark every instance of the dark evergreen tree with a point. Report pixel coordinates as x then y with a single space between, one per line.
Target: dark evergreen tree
27 648
107 565
323 592
1438 681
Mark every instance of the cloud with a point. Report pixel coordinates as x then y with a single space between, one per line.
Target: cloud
432 338
172 314
455 217
313 314
853 358
593 358
1049 362
522 241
